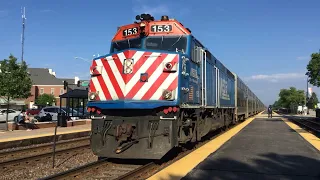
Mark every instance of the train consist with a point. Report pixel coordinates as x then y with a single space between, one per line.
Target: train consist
159 88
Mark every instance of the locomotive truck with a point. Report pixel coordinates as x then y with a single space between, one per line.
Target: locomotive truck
159 88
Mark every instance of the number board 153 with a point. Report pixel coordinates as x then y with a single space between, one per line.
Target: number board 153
161 28
130 31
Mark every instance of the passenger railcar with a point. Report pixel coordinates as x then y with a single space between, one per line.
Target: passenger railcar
158 88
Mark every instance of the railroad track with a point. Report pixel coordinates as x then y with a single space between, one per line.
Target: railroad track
105 169
18 162
308 124
101 169
10 154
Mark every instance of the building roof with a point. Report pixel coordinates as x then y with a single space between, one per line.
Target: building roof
76 93
45 76
41 76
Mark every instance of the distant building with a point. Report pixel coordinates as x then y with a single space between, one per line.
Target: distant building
45 82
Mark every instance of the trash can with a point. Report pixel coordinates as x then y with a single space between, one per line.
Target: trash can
62 120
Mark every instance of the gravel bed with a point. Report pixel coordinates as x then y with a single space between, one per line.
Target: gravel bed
44 168
111 171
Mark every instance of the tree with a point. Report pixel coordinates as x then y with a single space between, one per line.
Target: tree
313 69
45 99
313 100
291 97
276 105
15 81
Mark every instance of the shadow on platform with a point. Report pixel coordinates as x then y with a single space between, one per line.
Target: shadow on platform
265 166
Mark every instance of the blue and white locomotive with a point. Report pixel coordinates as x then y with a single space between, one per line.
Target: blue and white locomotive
158 88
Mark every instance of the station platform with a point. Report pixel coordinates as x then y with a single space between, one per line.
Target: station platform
258 148
19 138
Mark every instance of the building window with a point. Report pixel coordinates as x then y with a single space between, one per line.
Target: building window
61 91
41 91
52 91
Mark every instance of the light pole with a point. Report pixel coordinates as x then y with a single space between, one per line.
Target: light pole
307 95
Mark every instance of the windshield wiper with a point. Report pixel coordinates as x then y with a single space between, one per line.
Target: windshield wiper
175 43
117 44
161 42
129 43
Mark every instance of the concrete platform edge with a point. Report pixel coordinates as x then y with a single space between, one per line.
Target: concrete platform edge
310 138
187 163
43 139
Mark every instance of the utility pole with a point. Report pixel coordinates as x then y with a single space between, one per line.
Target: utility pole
307 97
23 12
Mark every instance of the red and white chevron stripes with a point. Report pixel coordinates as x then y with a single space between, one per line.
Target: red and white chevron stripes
114 84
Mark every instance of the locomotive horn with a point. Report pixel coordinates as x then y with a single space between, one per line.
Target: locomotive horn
164 18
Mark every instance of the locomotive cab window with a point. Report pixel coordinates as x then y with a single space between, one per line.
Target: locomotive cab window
125 44
167 43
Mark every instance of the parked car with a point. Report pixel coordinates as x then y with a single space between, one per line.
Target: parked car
33 111
54 110
11 115
84 111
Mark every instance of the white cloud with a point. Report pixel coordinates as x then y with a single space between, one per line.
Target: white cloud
276 77
303 58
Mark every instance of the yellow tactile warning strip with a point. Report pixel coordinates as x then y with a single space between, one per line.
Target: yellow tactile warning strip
312 139
44 134
183 166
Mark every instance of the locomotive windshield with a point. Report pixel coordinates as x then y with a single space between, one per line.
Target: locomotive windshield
126 44
167 43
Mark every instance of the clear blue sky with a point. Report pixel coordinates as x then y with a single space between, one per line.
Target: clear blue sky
267 42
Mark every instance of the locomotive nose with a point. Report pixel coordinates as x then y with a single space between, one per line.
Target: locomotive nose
136 75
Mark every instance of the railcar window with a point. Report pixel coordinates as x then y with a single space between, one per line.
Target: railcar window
126 44
167 43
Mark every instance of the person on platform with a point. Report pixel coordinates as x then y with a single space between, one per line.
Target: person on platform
270 111
22 118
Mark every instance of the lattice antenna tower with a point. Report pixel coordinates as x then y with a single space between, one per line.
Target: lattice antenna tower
23 12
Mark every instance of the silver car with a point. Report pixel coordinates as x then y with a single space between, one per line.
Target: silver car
11 115
54 110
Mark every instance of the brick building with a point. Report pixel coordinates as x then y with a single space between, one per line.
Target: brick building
45 82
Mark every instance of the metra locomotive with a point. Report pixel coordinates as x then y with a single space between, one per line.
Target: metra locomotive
158 88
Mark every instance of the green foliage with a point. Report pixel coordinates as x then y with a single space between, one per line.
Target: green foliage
43 99
290 97
276 105
313 100
15 81
313 69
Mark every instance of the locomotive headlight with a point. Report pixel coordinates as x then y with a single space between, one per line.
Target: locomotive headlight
168 66
142 24
167 94
92 96
128 66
